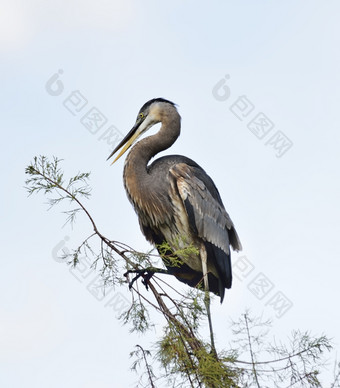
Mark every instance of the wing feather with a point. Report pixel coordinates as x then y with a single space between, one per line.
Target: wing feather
207 215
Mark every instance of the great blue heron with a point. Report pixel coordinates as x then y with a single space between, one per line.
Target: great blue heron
177 202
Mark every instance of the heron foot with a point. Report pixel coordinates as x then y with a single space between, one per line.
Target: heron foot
144 273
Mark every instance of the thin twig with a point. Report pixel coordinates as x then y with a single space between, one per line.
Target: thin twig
251 351
147 366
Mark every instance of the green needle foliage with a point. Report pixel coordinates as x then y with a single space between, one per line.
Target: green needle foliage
46 176
181 357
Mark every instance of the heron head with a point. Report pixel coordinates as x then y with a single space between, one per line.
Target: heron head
151 113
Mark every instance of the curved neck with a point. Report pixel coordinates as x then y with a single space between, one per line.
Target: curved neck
139 185
141 153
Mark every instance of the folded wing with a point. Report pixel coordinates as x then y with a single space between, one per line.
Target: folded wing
207 218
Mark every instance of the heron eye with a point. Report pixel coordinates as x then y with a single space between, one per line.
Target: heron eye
141 115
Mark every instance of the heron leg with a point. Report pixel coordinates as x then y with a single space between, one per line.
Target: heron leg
203 254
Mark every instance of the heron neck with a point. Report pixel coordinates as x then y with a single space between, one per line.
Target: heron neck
140 186
145 149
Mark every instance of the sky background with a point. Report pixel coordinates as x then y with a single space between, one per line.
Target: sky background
223 64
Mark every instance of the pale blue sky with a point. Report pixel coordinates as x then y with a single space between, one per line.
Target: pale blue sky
283 56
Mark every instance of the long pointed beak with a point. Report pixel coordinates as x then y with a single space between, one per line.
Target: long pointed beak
126 143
